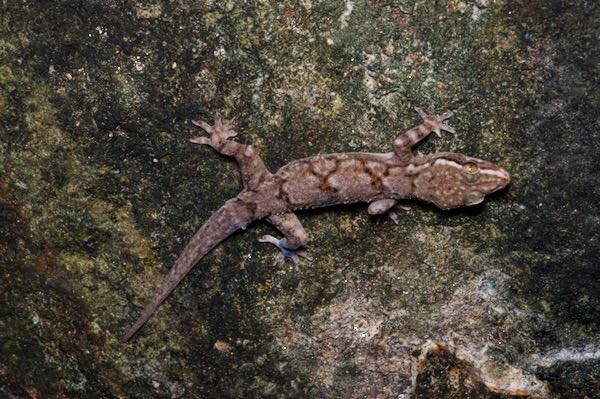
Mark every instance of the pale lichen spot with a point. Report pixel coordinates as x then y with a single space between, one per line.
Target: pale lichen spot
222 347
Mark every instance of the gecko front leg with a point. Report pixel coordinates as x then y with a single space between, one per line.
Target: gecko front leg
251 165
431 123
383 206
295 238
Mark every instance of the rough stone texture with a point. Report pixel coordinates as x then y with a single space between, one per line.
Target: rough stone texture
100 189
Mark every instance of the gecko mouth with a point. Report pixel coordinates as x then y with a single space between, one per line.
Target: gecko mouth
505 179
499 175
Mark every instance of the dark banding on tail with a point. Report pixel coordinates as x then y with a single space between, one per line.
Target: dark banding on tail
232 216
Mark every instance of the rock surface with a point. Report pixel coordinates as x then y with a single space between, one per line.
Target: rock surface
100 189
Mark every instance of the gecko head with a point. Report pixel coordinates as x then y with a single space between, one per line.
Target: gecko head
451 180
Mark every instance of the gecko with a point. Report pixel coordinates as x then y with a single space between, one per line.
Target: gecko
448 180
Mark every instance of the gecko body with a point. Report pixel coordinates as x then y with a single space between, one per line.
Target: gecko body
446 179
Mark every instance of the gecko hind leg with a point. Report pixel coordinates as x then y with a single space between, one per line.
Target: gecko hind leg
295 238
251 165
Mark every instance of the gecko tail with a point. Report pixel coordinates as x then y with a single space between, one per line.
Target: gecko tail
234 215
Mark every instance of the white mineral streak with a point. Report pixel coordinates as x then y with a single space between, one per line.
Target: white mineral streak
348 7
462 329
582 354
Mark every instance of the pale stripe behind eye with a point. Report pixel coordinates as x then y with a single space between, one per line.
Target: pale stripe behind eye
492 172
447 162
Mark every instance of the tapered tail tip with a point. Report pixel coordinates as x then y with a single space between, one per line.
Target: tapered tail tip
132 330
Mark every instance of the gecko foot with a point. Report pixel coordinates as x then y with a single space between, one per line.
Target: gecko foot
436 121
293 254
392 215
219 132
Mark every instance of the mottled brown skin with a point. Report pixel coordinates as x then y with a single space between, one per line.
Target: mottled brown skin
448 180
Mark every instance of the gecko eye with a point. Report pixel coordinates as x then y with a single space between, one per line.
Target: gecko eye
470 168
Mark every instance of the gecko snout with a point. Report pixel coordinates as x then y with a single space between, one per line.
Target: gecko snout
504 179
